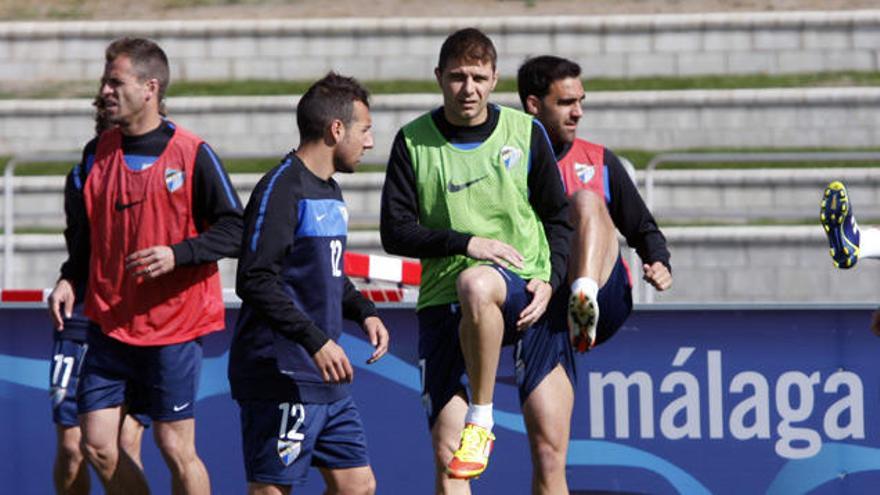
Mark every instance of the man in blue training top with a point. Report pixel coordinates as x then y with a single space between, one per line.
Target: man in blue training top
288 374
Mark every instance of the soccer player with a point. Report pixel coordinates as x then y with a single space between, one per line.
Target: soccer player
604 201
149 212
287 372
70 471
848 243
473 190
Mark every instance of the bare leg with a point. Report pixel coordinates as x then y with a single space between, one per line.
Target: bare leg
176 441
131 434
117 471
595 249
351 481
481 291
445 436
71 471
266 489
547 414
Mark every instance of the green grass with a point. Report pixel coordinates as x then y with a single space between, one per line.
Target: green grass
251 166
639 158
264 87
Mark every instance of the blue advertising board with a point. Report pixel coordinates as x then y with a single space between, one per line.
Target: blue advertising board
688 400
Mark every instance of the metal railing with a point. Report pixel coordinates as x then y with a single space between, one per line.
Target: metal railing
9 208
9 194
739 157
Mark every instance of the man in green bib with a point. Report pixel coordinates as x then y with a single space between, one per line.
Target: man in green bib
472 189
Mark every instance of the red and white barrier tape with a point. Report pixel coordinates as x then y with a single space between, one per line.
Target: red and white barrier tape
383 268
367 266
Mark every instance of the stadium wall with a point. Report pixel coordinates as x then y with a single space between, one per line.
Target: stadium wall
657 120
694 400
406 48
710 264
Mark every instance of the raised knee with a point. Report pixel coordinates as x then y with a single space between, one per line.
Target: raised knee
587 203
475 286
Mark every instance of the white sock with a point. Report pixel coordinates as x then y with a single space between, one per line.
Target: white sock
586 285
480 415
869 243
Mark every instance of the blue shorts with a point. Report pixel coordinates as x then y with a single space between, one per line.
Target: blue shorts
281 440
538 349
64 372
160 381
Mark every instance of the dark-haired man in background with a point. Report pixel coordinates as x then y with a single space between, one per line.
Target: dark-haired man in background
604 200
288 374
150 211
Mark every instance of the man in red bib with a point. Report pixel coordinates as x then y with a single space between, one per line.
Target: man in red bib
149 211
604 200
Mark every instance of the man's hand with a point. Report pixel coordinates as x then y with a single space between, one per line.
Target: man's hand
378 334
657 275
61 300
500 253
333 363
541 292
151 262
875 323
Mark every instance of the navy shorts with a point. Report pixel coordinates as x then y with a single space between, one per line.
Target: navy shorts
67 360
615 301
281 440
159 381
538 349
64 371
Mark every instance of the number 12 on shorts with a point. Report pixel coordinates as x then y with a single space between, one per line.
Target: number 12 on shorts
295 413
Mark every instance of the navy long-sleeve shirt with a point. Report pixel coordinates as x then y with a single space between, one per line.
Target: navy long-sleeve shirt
292 286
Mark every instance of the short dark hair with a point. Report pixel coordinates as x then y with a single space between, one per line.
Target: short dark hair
468 44
147 59
536 74
331 98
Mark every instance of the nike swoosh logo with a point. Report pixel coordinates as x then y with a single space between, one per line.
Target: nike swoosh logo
123 206
453 188
320 217
180 407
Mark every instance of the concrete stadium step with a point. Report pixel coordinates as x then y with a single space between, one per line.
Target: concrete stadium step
744 195
680 196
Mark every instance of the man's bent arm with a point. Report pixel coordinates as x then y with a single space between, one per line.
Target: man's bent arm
547 197
269 237
631 216
217 214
